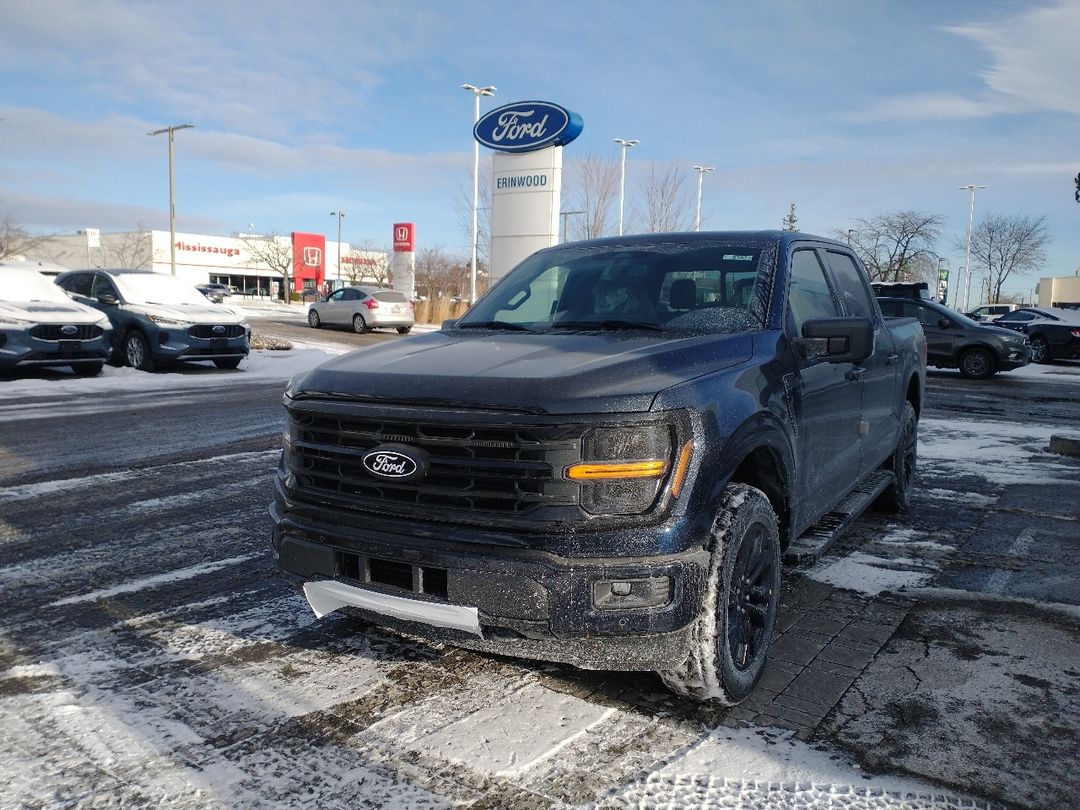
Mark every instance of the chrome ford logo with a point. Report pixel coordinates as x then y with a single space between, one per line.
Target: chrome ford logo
219 330
69 330
527 125
394 463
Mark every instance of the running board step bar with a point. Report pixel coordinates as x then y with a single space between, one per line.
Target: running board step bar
809 547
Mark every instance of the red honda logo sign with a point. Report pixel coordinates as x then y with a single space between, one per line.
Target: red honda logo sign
404 237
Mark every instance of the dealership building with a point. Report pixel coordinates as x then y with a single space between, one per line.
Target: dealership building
249 262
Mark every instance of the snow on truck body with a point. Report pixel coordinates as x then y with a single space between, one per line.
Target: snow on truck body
601 462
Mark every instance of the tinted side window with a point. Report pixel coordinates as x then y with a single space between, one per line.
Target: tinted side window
809 296
891 309
849 278
102 286
350 295
78 284
1021 317
927 316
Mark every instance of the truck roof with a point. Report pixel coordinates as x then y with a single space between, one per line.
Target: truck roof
689 237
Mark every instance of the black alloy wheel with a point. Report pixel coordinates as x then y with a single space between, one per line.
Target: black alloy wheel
902 463
1040 350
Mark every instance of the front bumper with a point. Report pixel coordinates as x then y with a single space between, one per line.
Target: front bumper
526 602
177 345
18 348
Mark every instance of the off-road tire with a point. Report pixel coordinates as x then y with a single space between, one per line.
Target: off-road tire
359 325
977 364
902 463
729 640
313 319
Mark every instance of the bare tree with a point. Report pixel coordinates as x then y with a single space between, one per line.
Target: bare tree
276 253
130 250
1002 245
440 275
597 185
895 246
666 205
15 240
364 262
463 208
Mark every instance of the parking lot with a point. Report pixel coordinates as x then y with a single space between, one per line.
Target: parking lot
150 655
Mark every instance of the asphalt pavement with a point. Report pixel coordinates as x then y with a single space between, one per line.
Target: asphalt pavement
150 654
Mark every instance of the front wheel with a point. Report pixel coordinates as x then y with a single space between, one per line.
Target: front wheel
1040 350
977 364
897 496
313 319
729 641
359 325
137 352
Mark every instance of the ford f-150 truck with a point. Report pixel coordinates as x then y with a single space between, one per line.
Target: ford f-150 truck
604 461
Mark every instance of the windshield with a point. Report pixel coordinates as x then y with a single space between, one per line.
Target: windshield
155 288
697 287
29 285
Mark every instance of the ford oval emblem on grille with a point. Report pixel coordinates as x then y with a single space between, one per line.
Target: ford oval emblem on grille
395 463
69 330
219 330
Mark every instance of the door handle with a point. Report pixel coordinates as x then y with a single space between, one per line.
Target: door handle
892 358
856 374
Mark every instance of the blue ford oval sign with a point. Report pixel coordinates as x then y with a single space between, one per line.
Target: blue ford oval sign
527 125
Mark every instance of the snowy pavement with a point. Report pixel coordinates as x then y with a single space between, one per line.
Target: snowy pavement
150 655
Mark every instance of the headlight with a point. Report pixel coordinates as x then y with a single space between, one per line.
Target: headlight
163 321
622 468
11 320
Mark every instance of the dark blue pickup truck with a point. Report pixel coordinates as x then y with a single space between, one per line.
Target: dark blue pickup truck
606 459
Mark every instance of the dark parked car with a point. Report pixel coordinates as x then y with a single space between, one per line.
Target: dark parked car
364 309
1054 333
955 341
41 326
159 319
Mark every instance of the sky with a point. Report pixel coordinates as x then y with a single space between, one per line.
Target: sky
849 109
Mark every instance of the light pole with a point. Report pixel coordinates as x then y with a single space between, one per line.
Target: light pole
477 92
340 215
967 253
564 215
172 193
625 144
701 172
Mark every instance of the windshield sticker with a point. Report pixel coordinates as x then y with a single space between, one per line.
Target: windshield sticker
733 257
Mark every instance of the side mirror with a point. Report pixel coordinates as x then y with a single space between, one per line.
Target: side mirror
108 300
838 340
449 323
944 323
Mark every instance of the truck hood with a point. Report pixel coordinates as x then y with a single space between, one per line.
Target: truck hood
539 373
51 312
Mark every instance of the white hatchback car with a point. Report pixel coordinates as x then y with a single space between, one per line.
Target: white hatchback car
364 309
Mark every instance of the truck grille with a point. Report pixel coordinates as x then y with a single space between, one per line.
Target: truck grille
205 331
508 470
48 331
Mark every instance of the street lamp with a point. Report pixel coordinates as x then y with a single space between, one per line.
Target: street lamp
339 215
967 255
172 194
702 171
625 144
477 92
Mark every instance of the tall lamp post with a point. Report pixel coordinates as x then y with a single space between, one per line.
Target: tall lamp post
625 144
477 92
340 215
172 193
967 253
702 171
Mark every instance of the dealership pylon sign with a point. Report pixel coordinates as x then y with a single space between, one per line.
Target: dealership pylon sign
528 137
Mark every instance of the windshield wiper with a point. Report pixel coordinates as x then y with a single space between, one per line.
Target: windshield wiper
513 327
607 324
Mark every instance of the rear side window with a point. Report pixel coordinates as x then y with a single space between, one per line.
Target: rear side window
809 296
850 281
